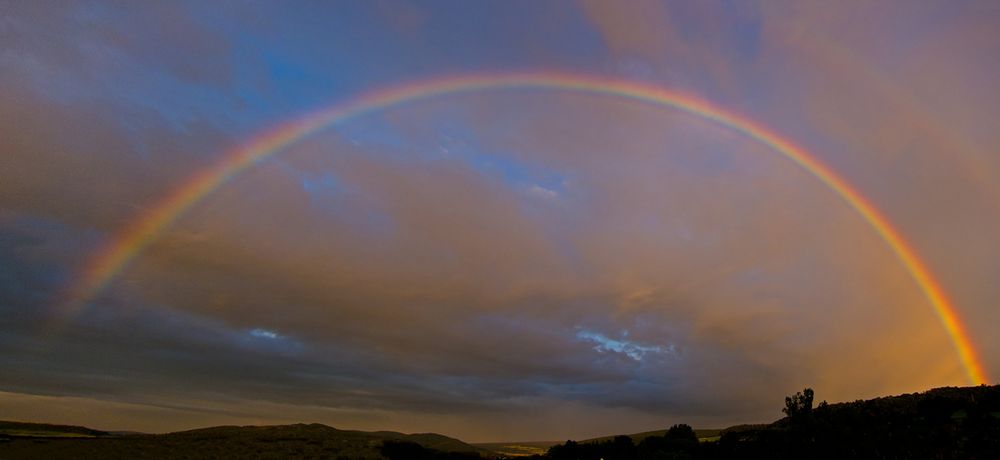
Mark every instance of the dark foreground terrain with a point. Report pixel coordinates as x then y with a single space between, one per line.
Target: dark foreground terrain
30 440
944 423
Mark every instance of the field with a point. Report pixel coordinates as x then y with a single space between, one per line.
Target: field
518 449
704 435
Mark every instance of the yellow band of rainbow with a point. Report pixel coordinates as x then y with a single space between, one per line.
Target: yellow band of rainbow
111 259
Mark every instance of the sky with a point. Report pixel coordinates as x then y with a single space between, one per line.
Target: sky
502 264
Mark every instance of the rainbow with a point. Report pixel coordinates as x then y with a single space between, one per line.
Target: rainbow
111 259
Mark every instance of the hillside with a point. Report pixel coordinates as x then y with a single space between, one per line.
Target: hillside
943 423
950 422
281 441
517 448
706 434
24 429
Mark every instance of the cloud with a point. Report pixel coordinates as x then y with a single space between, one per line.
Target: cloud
633 350
472 265
504 264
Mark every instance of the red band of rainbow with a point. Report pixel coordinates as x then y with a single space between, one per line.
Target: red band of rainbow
111 259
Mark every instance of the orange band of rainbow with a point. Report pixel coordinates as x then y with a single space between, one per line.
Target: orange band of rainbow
116 255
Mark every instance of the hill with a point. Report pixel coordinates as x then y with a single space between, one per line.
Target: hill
950 422
943 423
24 429
280 441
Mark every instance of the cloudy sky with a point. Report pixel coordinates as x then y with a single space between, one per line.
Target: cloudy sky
501 264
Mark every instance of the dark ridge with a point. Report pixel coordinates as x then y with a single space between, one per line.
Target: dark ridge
274 441
943 423
27 429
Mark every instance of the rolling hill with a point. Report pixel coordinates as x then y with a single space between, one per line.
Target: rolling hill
31 440
944 423
23 429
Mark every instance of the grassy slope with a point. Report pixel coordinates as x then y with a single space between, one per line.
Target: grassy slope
284 441
518 449
707 433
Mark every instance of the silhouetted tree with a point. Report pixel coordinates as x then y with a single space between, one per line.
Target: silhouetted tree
568 451
681 432
680 441
799 404
622 448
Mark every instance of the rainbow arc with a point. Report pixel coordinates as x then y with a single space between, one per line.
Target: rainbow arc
111 259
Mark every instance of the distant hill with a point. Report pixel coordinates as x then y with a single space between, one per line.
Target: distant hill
316 431
280 441
431 441
24 429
